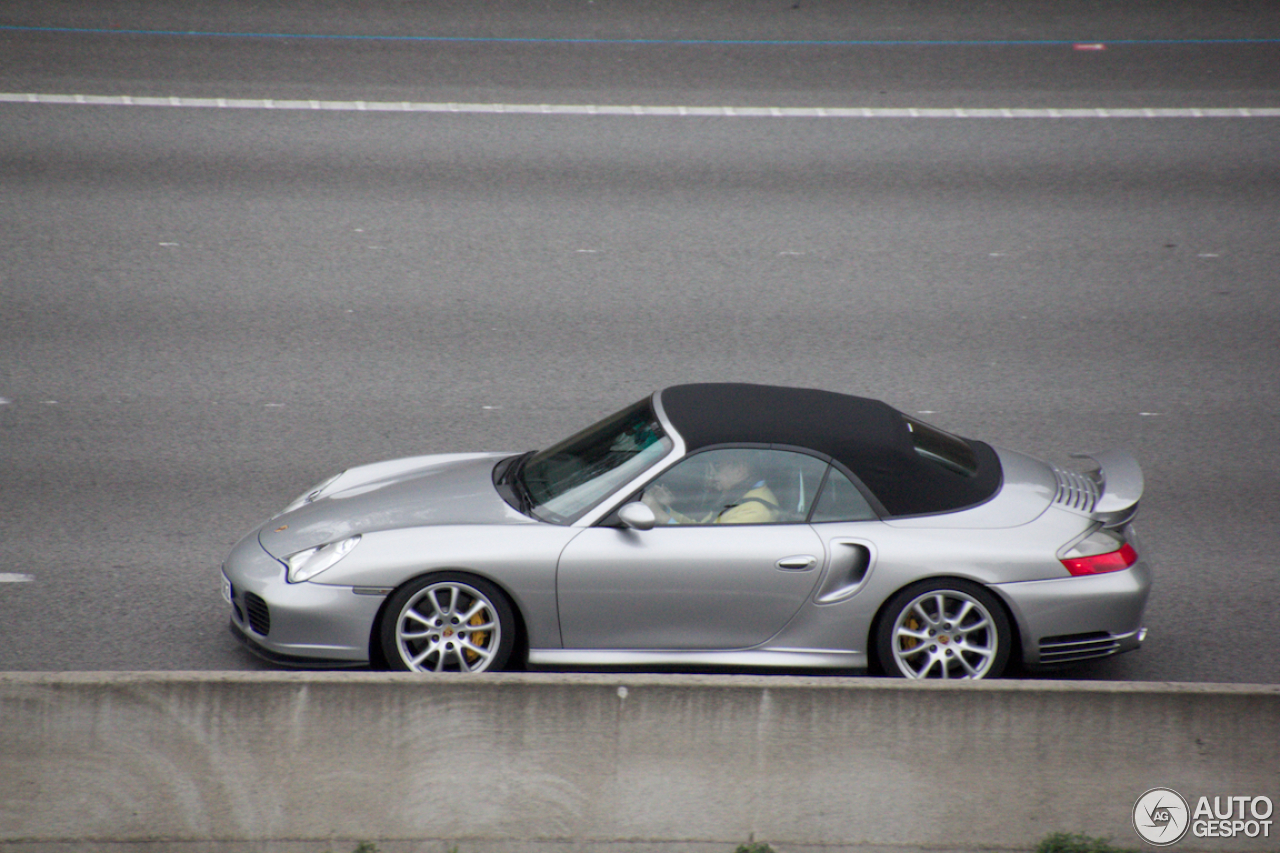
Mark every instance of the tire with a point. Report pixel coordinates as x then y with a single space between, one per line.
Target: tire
448 622
944 628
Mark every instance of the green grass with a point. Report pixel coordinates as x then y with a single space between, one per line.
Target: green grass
1058 842
1067 842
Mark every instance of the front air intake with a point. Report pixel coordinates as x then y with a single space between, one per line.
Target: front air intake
259 614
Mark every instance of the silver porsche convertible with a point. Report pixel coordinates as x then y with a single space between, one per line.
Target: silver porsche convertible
706 526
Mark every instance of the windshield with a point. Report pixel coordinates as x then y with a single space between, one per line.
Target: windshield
566 480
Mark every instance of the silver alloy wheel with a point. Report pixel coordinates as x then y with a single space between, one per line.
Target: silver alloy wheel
945 633
448 626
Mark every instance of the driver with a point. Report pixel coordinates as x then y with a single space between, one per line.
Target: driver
740 497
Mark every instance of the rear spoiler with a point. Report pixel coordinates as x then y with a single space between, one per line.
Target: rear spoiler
1120 486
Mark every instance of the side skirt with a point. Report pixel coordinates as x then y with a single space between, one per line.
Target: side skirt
763 658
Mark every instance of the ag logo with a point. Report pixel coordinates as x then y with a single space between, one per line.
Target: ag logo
1161 817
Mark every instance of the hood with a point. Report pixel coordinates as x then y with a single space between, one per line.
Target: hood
414 492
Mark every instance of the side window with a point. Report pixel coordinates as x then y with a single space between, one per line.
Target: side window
737 486
841 501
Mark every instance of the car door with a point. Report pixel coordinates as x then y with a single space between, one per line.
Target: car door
695 583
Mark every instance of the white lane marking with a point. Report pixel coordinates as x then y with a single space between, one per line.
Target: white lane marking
14 578
640 110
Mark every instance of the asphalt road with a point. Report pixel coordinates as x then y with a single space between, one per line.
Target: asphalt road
204 311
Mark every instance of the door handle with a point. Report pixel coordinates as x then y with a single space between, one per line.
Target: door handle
798 563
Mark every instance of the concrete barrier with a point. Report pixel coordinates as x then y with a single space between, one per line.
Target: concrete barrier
532 762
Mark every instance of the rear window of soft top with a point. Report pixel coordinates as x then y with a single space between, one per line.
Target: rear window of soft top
942 448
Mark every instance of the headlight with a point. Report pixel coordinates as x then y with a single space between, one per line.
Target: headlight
305 565
311 494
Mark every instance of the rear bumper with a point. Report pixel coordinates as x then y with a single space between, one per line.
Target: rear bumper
1072 619
1071 648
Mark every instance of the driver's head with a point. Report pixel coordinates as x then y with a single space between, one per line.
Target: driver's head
727 474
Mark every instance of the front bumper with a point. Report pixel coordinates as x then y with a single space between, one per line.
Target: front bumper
1066 620
297 624
248 640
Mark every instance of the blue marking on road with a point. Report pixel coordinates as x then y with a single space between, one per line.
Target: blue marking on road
656 41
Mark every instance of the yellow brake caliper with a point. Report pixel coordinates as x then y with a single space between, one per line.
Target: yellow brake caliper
478 638
909 643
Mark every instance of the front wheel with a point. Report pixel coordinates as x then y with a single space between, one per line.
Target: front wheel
448 622
944 629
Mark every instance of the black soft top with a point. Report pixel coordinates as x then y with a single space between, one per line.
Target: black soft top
868 437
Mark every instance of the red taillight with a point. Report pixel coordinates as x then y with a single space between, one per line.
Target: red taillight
1102 563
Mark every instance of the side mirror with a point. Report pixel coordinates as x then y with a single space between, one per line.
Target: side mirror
637 516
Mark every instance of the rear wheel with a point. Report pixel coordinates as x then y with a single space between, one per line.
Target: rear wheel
448 622
944 628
